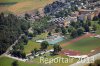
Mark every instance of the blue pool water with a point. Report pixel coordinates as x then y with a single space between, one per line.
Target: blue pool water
56 41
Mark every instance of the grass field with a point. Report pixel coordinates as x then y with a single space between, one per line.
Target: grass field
33 44
85 45
30 46
39 37
37 60
5 61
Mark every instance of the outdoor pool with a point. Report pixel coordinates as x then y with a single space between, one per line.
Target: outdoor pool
56 40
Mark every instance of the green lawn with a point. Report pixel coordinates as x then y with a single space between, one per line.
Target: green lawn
30 46
39 37
33 44
5 61
85 45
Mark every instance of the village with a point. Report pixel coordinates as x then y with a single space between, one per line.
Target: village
64 28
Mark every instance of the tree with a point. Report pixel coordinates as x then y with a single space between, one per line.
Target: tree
94 28
80 31
99 15
37 13
11 27
95 18
25 39
99 22
70 29
57 30
73 24
44 45
56 48
21 46
63 30
49 34
76 8
97 62
23 55
27 16
90 64
15 63
34 51
86 27
30 34
88 23
74 34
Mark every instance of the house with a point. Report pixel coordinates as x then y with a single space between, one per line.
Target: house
85 11
85 14
75 14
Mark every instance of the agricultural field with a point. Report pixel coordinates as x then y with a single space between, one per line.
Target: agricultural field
4 8
25 5
5 1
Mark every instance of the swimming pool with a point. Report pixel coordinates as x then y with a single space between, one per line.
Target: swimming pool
56 40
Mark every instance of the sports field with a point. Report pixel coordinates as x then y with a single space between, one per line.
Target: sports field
85 45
